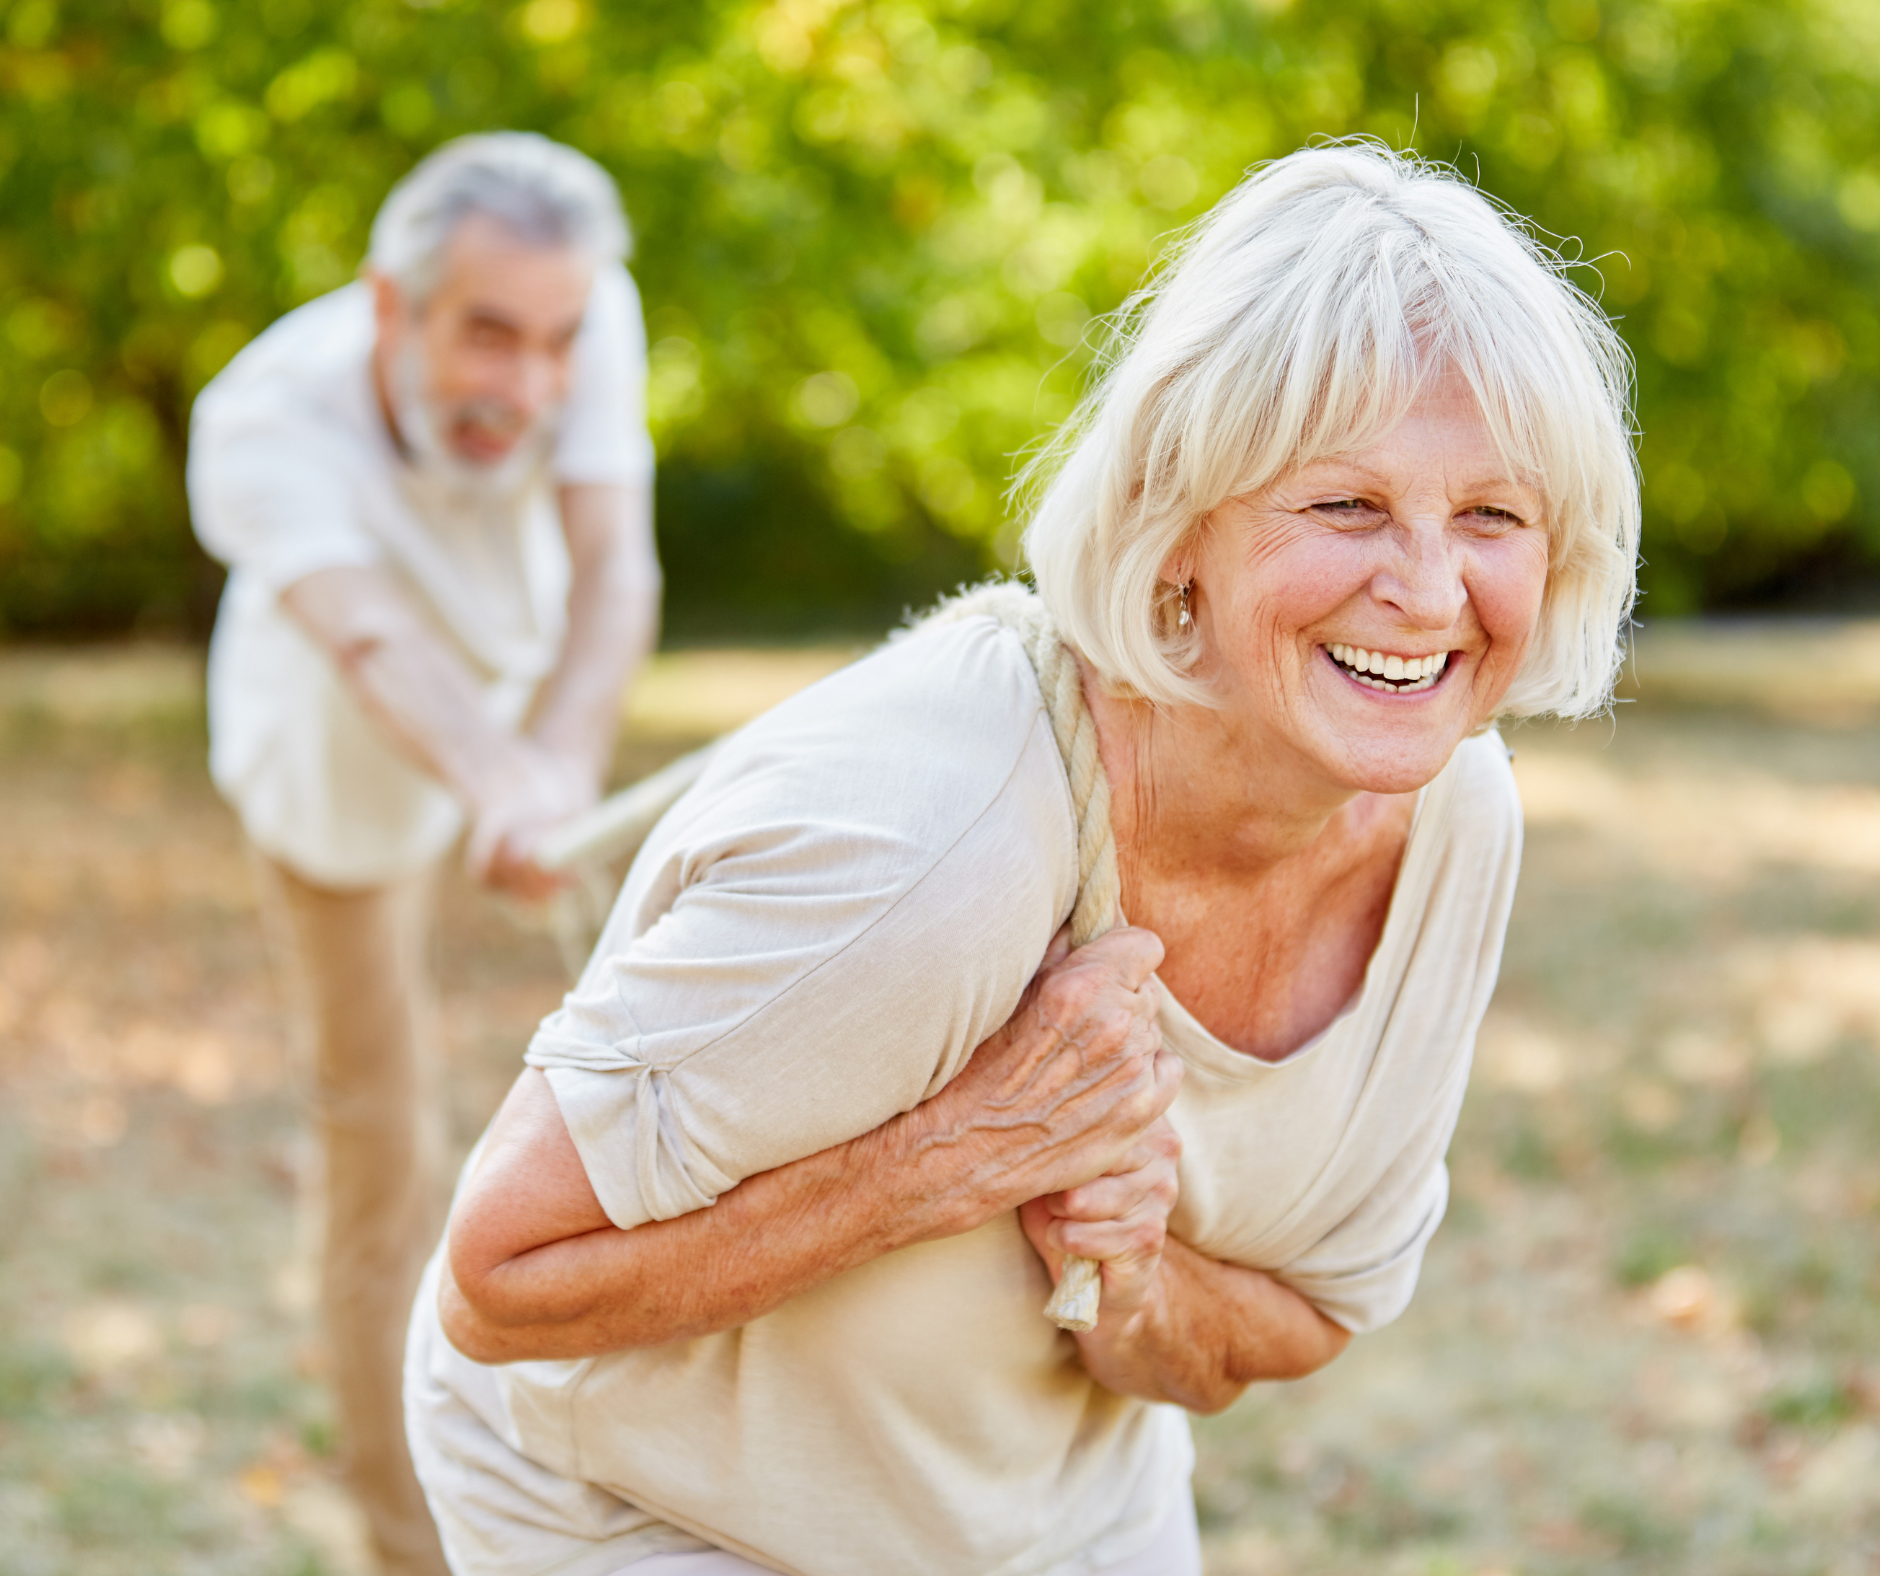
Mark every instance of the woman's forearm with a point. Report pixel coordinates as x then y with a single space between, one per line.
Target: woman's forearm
771 1238
1207 1332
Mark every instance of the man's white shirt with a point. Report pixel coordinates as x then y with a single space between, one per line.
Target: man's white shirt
292 470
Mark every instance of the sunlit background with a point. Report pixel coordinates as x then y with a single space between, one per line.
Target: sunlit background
876 245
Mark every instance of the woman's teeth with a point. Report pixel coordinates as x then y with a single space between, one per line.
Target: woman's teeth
1397 675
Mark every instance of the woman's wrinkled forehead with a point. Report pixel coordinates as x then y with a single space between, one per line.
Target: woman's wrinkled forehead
1356 428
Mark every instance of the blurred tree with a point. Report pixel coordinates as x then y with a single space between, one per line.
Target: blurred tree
875 238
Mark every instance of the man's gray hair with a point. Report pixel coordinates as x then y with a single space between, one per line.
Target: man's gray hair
547 194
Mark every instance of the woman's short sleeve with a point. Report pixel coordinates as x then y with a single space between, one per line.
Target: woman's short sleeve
1363 1273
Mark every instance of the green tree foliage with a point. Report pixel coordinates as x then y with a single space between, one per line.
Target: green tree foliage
875 241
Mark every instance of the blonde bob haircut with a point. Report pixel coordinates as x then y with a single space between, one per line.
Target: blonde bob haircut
1298 321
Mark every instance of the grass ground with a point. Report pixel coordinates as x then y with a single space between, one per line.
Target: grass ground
1647 1339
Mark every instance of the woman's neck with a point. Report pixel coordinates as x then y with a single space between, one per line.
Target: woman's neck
1268 886
1192 786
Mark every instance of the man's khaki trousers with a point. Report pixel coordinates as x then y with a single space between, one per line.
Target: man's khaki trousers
365 1001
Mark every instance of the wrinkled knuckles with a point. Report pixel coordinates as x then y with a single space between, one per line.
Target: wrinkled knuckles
1150 1238
1112 1030
1094 1201
1141 1107
1169 1071
1070 993
1129 953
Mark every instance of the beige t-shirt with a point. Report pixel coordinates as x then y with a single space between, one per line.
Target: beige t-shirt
814 940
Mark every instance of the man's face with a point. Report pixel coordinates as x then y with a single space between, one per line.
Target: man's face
493 343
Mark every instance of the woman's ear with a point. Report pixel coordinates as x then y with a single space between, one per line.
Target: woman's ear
1178 569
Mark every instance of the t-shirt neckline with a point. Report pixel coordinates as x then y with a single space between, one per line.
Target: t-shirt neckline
1220 1057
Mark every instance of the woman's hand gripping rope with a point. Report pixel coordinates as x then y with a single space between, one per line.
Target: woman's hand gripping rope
1068 1102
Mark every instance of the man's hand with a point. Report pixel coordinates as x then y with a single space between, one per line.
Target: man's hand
534 793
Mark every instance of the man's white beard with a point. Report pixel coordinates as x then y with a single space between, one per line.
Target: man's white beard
421 425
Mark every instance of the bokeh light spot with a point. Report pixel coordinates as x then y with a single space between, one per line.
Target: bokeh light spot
65 397
195 270
828 399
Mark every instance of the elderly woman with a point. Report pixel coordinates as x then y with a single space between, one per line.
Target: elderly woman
746 1274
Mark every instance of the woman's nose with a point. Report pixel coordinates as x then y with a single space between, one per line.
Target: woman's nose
1423 579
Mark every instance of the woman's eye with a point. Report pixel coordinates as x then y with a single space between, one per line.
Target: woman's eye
1348 508
1494 519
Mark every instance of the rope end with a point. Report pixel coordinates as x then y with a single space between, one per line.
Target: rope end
1073 1306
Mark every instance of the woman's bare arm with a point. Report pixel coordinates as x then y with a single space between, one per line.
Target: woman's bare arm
586 1287
1174 1324
1062 1093
1208 1331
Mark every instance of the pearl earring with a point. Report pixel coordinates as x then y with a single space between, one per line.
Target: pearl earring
1187 617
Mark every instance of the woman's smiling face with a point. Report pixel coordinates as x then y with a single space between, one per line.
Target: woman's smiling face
1420 558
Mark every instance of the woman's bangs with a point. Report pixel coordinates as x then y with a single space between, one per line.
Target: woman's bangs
1343 390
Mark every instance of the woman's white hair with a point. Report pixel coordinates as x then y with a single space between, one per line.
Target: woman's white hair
545 193
1299 321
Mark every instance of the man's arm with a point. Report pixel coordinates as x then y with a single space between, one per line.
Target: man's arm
428 704
613 620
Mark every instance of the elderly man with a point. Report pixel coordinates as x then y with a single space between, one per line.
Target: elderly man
432 488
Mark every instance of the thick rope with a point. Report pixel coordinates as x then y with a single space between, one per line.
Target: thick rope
1099 889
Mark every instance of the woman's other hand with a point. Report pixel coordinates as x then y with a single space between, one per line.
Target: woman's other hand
1120 1220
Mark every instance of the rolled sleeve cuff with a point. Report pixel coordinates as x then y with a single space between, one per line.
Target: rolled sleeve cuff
630 1142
